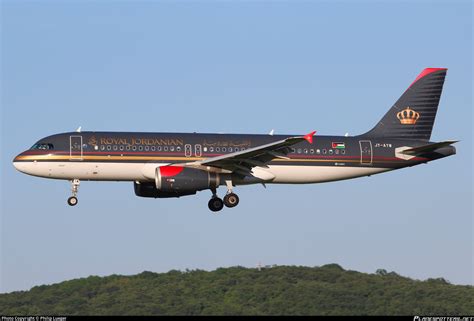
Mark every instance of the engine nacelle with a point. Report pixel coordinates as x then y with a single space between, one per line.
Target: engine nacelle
150 190
176 181
184 180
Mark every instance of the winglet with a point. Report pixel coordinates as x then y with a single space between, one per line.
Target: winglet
426 72
309 137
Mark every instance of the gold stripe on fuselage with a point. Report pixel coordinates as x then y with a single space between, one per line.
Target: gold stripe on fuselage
109 157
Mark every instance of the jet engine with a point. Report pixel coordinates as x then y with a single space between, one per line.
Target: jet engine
176 181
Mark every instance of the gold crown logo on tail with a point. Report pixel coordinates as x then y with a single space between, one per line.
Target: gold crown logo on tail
408 116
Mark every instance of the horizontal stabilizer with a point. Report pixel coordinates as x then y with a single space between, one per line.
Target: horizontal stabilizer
428 148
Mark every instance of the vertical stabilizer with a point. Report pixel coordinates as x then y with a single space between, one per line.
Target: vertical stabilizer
414 113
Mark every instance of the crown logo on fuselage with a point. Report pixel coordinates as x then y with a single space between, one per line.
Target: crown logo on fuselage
408 116
93 141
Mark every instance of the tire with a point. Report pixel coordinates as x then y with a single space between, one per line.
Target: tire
72 201
215 204
231 200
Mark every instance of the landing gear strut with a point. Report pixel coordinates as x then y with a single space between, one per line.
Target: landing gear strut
72 201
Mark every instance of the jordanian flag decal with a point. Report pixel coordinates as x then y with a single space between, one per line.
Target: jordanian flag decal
339 145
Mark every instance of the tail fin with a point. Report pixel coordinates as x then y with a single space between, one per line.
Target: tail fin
413 115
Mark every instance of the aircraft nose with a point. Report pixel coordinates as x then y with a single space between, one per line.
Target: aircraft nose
20 166
24 164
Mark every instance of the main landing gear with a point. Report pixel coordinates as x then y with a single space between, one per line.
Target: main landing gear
72 201
230 200
215 204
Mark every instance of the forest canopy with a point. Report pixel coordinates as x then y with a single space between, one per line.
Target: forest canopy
276 290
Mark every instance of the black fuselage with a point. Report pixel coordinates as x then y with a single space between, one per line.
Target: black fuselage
127 147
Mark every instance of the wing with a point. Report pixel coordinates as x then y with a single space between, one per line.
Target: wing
242 162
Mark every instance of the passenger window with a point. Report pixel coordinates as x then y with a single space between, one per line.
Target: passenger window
171 148
128 147
121 147
311 151
230 149
299 150
318 151
165 148
224 149
343 152
102 147
158 148
218 149
305 151
330 152
115 147
140 148
324 151
178 149
336 151
134 148
236 149
153 148
109 147
211 149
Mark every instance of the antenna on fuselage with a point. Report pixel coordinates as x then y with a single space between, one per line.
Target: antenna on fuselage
271 132
346 135
79 129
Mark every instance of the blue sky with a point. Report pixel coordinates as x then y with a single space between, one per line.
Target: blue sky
236 67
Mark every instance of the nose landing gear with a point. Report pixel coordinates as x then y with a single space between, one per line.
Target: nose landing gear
72 201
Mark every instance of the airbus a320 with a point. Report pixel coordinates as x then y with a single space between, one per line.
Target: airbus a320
163 165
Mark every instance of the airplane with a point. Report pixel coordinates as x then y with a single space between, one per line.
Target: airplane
163 165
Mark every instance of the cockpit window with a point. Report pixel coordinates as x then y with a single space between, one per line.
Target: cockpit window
42 146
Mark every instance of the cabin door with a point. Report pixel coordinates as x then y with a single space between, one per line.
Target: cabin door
197 150
75 150
365 152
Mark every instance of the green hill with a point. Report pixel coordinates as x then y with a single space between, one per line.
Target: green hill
278 290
